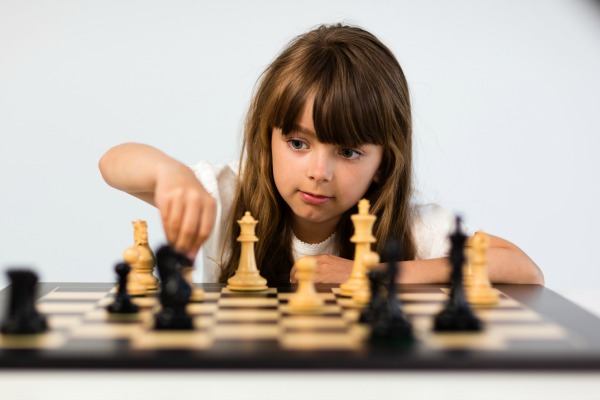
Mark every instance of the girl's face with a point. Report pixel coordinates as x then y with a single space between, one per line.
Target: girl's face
320 181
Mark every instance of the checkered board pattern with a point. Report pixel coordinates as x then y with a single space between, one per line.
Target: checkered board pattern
232 321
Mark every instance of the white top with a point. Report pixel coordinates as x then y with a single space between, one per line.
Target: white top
431 227
301 249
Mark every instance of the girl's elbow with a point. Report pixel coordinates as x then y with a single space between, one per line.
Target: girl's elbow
104 166
539 277
107 161
534 275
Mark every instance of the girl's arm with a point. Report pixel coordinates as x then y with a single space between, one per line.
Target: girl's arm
187 210
506 264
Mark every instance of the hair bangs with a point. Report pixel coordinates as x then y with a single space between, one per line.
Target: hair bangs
289 106
346 108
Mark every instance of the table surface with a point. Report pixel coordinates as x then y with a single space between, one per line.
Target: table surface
69 384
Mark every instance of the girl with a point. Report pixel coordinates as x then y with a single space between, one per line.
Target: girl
330 123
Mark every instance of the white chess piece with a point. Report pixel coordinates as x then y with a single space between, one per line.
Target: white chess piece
362 294
306 299
480 291
134 285
363 237
247 277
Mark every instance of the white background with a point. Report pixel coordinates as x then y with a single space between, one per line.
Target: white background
505 93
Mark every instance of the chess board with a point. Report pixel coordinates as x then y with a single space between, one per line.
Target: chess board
531 328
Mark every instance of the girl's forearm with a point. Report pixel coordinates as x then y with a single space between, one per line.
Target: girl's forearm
506 264
134 167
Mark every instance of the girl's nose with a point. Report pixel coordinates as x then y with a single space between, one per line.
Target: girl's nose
320 168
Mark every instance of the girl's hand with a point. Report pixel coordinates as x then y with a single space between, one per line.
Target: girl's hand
330 269
188 211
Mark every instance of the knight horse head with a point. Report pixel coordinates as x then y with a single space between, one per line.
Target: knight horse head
174 288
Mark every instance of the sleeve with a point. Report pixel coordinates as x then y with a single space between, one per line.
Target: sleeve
432 226
220 182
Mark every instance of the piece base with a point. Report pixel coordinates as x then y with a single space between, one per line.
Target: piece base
167 322
17 326
457 320
243 288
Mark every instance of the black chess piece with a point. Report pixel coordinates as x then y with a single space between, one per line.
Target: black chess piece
22 316
175 292
457 315
122 303
377 299
388 322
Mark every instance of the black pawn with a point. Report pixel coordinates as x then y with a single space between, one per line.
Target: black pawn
122 303
22 317
457 316
388 322
175 292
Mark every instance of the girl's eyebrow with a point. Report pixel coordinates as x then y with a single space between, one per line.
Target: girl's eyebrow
304 130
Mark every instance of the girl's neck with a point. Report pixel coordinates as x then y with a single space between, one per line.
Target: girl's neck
312 233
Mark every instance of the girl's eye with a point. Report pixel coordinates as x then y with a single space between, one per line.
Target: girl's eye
297 144
349 153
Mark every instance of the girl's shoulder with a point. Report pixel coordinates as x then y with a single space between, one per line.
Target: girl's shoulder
214 176
430 214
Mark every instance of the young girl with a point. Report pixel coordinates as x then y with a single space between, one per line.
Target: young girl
330 124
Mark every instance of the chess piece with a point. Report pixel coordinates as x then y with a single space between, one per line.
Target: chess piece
480 291
144 267
363 237
375 277
122 303
175 292
247 276
134 285
457 314
468 268
362 294
306 299
197 293
22 316
384 313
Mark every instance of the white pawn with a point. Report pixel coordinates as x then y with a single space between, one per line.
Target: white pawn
306 299
480 291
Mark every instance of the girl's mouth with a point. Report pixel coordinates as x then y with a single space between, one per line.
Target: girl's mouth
314 199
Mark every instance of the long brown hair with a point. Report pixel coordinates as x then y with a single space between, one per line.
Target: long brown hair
360 96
